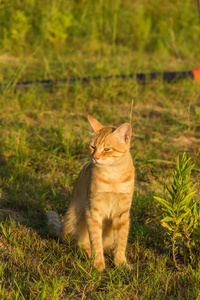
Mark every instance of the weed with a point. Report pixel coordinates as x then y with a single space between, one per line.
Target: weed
181 212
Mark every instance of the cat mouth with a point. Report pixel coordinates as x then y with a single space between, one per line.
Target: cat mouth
101 163
95 162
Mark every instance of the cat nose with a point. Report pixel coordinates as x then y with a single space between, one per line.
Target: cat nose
95 158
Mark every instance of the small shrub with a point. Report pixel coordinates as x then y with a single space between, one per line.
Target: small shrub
181 211
57 29
19 29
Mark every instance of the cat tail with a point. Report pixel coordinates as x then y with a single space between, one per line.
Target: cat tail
54 224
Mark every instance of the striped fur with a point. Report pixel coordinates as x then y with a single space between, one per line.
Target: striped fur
98 215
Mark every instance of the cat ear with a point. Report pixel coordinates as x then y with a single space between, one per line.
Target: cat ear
124 132
96 126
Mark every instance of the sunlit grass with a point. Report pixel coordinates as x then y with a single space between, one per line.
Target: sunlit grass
44 136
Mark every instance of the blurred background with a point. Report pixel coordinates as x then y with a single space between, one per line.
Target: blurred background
75 38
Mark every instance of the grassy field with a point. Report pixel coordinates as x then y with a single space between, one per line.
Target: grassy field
44 137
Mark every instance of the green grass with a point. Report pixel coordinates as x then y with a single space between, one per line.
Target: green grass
44 136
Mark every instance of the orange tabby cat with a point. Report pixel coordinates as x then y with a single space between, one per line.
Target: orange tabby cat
98 215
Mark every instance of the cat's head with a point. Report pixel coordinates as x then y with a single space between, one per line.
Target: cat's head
108 144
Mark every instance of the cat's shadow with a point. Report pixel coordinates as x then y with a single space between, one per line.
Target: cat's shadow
26 199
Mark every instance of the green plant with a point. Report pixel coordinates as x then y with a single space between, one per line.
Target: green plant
197 111
19 29
181 211
57 29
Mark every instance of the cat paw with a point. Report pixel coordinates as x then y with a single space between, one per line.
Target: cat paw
100 265
127 266
123 264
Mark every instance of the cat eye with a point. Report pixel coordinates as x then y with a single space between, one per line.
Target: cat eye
92 147
107 149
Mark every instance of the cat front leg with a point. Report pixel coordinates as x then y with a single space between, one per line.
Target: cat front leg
94 223
120 228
